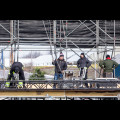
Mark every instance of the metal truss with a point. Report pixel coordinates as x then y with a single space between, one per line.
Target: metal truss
108 85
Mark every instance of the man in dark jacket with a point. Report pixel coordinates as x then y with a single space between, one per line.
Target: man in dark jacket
83 63
16 68
108 66
60 66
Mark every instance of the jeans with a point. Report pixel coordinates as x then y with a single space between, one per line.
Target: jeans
57 76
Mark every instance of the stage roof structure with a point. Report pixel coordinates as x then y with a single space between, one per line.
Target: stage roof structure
84 33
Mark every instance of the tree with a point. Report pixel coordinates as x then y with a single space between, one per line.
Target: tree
37 75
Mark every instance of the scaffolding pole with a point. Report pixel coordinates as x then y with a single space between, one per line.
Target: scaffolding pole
11 41
97 38
2 60
18 40
114 44
114 38
105 52
54 37
66 41
14 41
60 36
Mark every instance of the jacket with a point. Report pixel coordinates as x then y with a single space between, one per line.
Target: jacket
83 62
12 70
108 65
59 65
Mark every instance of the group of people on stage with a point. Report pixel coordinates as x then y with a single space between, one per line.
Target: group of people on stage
60 64
107 65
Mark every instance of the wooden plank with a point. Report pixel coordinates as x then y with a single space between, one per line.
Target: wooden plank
31 93
58 93
91 93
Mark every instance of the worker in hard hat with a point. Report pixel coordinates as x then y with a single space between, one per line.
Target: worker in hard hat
16 73
60 66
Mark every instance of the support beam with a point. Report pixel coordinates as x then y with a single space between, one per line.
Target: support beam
14 40
2 60
114 38
97 38
105 52
11 41
18 41
54 37
66 41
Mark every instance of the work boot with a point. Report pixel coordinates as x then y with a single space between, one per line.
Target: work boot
20 84
7 85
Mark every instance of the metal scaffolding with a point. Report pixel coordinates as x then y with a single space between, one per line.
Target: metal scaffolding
99 36
63 35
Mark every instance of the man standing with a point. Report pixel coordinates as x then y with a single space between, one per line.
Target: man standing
108 66
60 66
83 64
